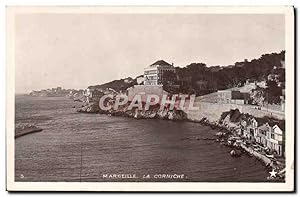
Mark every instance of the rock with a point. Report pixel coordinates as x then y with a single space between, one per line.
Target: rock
152 115
219 134
162 114
137 114
235 153
89 109
170 115
153 112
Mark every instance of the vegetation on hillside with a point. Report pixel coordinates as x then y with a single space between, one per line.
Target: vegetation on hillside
199 79
117 85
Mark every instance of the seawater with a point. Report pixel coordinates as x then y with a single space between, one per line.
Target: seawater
87 147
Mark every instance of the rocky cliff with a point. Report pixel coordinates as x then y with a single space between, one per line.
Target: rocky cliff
152 113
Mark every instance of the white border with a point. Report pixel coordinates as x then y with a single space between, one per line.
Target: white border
144 186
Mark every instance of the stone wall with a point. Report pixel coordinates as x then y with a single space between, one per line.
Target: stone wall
145 90
213 111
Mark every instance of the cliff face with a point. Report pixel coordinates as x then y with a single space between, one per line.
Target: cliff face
152 113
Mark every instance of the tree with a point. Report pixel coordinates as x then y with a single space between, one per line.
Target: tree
273 92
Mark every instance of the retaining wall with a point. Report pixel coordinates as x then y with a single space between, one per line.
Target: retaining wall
213 111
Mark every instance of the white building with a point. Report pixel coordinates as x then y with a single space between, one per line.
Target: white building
153 74
275 140
271 137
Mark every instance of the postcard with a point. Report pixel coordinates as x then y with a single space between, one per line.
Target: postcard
194 99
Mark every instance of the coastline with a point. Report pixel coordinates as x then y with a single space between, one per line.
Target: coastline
186 136
226 135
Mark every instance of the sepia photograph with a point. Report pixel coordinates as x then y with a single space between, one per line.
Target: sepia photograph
150 98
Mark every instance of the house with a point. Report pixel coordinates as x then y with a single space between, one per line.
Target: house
273 77
233 97
274 143
243 131
153 74
93 95
262 134
249 86
238 97
271 137
251 131
262 84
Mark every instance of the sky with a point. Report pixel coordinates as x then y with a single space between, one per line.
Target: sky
78 50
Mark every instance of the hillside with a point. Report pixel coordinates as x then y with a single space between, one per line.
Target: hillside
118 85
199 79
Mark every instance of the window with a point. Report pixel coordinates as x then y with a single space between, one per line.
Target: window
272 136
150 72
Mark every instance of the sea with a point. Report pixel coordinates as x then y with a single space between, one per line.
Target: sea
82 147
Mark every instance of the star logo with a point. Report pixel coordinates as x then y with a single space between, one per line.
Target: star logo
273 173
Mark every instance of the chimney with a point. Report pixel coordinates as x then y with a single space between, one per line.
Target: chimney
172 64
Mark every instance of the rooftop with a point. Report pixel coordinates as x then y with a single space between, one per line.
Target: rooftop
264 127
161 63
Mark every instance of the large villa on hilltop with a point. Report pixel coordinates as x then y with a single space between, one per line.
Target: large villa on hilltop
150 83
153 74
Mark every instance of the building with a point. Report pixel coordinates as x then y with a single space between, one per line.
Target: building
274 141
262 136
248 86
153 74
251 132
233 97
271 137
93 95
273 77
262 84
